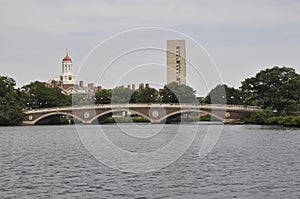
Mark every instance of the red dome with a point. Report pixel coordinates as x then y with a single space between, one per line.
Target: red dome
67 58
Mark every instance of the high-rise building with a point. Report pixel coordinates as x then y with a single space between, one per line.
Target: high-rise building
176 61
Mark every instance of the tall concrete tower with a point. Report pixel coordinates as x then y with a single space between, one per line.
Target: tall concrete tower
67 71
176 61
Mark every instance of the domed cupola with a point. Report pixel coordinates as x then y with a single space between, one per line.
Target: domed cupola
67 58
67 70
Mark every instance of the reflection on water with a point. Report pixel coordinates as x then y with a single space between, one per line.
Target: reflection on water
247 162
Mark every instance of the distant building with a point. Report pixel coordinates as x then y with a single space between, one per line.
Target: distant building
176 61
68 85
67 76
67 82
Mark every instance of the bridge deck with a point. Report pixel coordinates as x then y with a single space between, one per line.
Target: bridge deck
117 106
156 113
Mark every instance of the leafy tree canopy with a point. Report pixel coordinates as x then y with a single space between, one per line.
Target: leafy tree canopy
178 93
38 96
121 95
276 88
103 97
222 94
147 95
11 102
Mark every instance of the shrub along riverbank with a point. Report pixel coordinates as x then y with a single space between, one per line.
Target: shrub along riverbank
267 117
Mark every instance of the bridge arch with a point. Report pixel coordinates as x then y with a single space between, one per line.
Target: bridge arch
56 113
178 113
108 113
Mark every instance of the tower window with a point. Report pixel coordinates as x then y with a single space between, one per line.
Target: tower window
177 50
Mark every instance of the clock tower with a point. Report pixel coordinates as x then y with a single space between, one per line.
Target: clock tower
67 71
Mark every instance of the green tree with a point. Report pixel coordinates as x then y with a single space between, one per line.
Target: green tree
222 94
276 88
201 100
38 96
121 95
147 95
11 102
134 97
83 98
103 97
178 93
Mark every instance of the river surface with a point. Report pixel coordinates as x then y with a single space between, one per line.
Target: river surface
247 162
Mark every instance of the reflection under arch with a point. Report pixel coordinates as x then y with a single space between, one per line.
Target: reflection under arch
59 113
176 114
100 118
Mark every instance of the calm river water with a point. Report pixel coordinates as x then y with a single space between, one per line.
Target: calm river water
247 162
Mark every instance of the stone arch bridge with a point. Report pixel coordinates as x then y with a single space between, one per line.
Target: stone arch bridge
155 113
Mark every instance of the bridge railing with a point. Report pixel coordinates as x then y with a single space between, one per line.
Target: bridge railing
212 106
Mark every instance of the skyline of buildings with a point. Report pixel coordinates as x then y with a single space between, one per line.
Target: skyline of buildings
68 85
176 72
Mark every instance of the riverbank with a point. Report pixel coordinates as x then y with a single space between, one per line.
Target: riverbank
267 117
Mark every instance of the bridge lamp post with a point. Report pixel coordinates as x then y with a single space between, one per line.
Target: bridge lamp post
28 104
232 98
161 98
33 103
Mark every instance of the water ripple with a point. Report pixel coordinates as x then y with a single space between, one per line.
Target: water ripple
247 162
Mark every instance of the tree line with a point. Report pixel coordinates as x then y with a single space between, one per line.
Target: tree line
275 88
171 93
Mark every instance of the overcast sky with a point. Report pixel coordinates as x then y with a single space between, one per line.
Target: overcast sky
226 40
